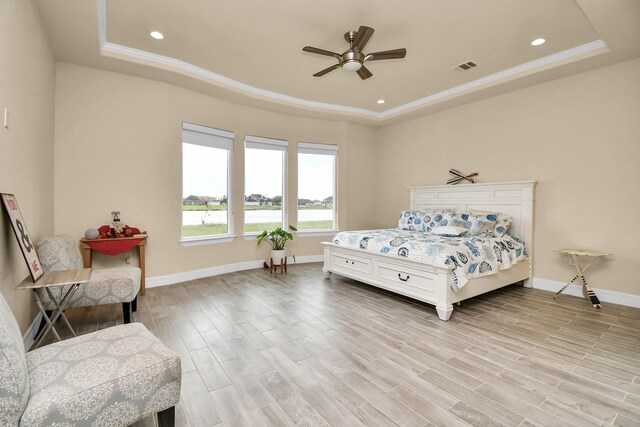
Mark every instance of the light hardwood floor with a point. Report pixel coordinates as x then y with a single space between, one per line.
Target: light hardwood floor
297 349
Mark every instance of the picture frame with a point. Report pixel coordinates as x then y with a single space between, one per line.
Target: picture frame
22 235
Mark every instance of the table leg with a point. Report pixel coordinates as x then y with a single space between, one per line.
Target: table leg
49 326
62 305
141 251
270 265
590 293
564 287
86 255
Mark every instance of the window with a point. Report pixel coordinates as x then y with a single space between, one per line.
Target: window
206 168
264 183
316 186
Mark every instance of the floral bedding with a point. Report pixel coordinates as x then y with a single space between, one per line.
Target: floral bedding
469 257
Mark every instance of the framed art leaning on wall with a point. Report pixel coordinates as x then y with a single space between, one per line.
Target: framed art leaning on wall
24 239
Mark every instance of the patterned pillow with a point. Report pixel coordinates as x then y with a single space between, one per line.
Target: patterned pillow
455 219
478 225
407 221
433 219
502 220
420 220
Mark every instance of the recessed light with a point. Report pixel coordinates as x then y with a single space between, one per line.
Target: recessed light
156 35
380 101
538 42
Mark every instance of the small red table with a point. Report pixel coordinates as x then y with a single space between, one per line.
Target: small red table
114 247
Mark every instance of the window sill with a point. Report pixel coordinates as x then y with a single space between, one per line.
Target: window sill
207 240
316 233
250 236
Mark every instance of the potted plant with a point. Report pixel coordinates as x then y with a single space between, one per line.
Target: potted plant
277 238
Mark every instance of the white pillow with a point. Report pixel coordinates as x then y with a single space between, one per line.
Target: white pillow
450 231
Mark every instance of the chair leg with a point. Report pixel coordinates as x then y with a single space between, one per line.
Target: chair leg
126 312
134 304
167 418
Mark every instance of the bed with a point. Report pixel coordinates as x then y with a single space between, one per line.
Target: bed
435 282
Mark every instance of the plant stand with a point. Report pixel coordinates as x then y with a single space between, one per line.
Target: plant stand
274 267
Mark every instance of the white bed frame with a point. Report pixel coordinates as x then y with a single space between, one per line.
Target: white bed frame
430 283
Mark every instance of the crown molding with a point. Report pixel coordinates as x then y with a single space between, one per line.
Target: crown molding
187 69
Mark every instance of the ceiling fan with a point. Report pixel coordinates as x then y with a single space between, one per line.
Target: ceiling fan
354 59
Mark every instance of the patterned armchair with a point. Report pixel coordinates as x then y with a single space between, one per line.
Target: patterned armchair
112 377
108 286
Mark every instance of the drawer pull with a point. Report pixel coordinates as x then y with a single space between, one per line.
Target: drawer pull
405 279
347 261
352 262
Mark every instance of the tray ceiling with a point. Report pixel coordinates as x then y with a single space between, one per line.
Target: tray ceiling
251 51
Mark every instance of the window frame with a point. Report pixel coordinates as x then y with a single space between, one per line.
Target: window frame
263 143
326 150
214 138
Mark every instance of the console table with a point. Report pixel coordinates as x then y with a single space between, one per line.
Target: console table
114 247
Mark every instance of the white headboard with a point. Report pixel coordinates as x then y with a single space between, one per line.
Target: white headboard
513 198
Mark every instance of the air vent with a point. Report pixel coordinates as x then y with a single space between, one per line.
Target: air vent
465 66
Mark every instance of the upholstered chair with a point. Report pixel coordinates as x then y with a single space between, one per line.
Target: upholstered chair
106 286
112 377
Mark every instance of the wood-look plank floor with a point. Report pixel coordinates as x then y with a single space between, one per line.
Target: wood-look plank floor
297 349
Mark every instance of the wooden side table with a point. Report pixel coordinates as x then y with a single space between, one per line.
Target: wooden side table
47 281
575 255
114 247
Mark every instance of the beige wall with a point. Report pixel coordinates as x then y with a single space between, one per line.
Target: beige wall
579 137
361 177
118 148
27 73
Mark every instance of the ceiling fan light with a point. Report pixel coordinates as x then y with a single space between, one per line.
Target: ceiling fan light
352 65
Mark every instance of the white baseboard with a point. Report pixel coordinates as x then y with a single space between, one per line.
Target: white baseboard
30 335
604 295
170 279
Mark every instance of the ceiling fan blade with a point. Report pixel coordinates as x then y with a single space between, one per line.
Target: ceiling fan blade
364 34
364 73
326 70
312 49
386 54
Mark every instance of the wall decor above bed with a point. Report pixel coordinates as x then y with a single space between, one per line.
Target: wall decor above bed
443 268
459 177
